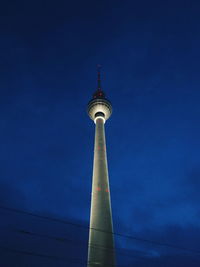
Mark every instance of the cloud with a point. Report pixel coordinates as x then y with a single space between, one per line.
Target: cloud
162 247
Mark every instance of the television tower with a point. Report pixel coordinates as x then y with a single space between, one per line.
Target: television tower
101 242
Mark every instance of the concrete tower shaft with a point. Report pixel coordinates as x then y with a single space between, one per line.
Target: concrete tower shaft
101 242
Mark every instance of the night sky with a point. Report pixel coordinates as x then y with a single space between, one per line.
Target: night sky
150 53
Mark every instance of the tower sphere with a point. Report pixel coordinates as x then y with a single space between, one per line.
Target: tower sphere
99 107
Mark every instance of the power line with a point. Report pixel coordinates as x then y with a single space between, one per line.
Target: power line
28 253
100 230
95 246
65 259
55 258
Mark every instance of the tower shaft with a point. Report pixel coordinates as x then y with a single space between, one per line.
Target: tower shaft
101 243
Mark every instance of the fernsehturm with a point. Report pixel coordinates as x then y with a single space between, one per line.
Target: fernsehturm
101 242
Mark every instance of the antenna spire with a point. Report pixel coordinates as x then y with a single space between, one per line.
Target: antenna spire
99 94
99 77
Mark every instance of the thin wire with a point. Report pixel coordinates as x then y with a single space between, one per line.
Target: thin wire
66 259
99 230
29 253
65 240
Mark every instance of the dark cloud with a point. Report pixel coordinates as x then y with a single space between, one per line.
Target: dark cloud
172 245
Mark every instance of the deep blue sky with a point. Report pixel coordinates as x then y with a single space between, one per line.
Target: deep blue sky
150 56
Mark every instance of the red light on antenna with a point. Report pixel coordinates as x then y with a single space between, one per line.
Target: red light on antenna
98 188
